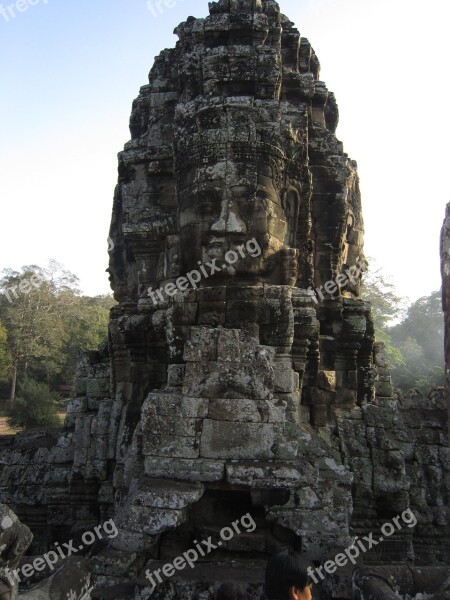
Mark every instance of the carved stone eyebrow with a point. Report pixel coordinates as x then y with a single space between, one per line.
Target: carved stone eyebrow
208 194
238 190
260 190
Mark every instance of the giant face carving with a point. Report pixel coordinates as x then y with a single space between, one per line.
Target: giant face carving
223 205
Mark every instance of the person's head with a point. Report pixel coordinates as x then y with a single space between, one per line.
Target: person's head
230 591
287 577
5 591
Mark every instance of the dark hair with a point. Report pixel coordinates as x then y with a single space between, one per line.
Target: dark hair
230 591
5 591
285 570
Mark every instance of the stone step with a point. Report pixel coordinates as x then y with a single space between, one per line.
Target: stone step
151 521
166 494
119 591
185 469
205 577
242 571
244 541
114 563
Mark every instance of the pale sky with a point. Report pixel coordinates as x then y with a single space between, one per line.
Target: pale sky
70 72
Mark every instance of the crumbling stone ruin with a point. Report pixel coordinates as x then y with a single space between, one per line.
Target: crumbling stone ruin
71 579
445 271
240 393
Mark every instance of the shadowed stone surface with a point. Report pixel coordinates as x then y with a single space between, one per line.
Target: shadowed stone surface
70 582
445 272
15 538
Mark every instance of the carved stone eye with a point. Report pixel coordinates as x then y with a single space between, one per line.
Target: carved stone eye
247 206
207 207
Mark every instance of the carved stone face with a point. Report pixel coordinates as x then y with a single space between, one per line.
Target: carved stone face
224 205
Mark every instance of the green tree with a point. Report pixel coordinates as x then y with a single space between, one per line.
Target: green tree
5 356
387 307
48 323
420 337
32 308
414 336
86 326
35 406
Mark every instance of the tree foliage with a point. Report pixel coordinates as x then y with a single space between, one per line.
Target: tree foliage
33 314
420 338
35 406
48 322
414 335
5 356
387 307
87 328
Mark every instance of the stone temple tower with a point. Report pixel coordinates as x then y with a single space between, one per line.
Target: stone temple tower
233 140
229 387
244 391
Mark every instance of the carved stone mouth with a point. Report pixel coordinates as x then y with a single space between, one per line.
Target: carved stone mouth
227 240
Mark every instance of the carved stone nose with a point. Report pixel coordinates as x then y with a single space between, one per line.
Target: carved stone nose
229 220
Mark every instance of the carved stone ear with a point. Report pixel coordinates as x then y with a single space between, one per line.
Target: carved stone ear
291 206
351 219
289 266
5 591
